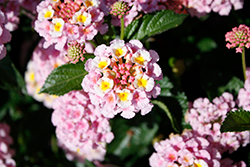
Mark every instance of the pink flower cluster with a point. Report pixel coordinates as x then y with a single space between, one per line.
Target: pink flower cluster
62 22
244 93
188 149
238 38
5 152
42 63
80 127
5 35
12 10
202 7
206 118
121 78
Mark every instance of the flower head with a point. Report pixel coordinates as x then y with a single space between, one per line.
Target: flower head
238 38
120 8
122 72
75 52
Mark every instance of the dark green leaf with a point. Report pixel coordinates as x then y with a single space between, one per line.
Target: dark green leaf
206 44
166 86
65 78
169 114
10 78
236 121
152 24
235 84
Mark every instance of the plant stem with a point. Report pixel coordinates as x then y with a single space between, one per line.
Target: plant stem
122 27
243 63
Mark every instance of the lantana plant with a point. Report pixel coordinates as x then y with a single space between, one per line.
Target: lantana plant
123 83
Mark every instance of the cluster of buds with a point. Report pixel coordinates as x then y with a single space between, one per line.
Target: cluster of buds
120 9
122 78
75 52
238 38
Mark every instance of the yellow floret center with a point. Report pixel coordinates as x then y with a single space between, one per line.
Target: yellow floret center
89 3
58 26
102 64
123 96
81 18
32 76
197 165
105 86
139 60
48 14
142 82
118 52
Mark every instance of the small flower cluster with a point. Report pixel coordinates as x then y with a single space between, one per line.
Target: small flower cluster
203 7
120 9
206 118
5 35
39 67
5 152
62 22
75 52
80 127
122 78
188 149
238 38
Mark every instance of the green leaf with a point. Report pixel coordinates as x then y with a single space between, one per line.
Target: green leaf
131 140
235 84
236 121
10 78
65 78
152 24
166 86
169 114
206 44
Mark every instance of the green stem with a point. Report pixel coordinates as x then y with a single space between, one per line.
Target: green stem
243 63
122 28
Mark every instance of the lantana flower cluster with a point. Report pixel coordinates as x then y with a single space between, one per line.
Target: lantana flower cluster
42 63
63 22
6 153
5 35
187 149
206 118
81 129
121 78
238 38
243 98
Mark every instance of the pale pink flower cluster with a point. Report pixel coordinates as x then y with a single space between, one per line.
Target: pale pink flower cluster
12 9
206 118
6 153
42 63
121 78
188 149
5 35
62 22
243 99
238 38
81 129
202 7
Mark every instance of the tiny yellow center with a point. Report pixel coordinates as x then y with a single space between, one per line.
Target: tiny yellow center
140 60
102 64
197 165
142 82
32 76
89 3
47 14
118 52
123 96
81 18
58 26
105 86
